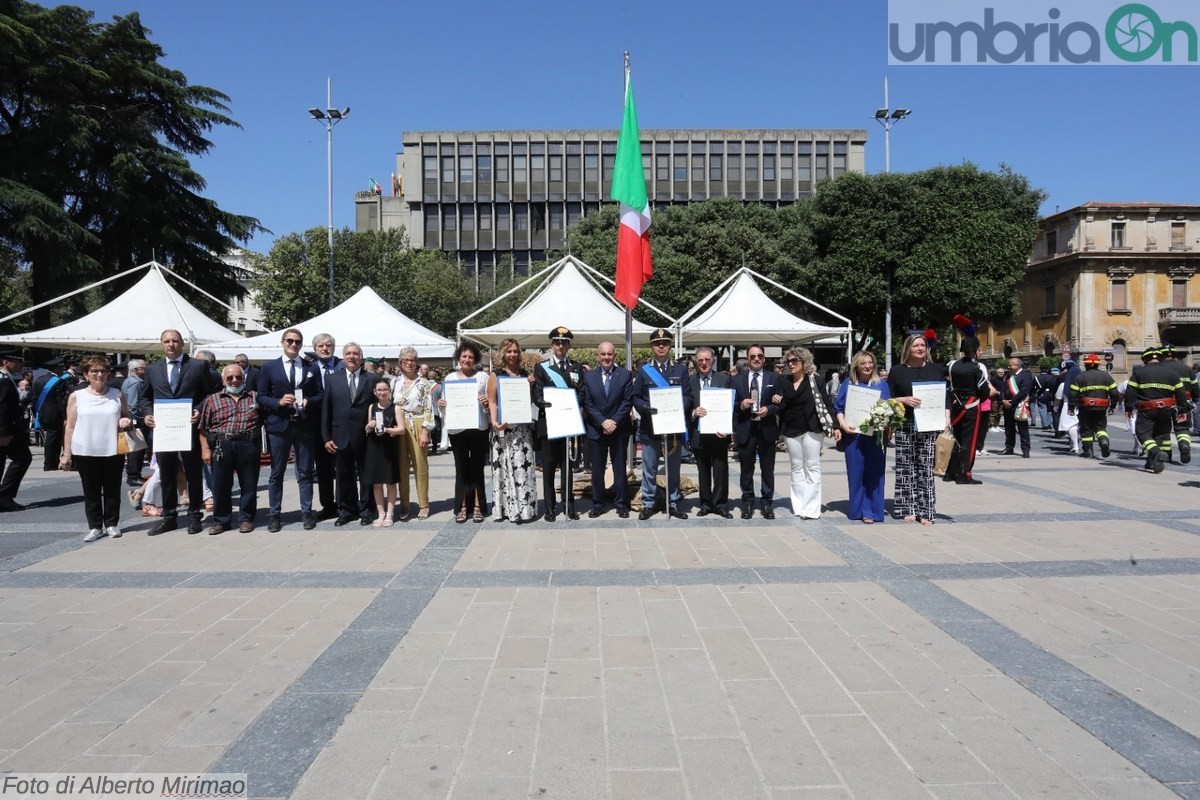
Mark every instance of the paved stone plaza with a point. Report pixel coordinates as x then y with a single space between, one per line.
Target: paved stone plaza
1042 640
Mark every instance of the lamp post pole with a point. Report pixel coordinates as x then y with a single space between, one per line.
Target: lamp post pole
887 117
329 117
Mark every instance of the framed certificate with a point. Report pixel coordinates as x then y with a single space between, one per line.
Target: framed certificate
859 401
563 417
718 411
515 400
668 402
462 409
173 425
931 414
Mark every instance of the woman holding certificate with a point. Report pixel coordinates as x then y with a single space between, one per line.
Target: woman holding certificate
865 458
96 415
514 472
803 433
921 386
462 405
413 396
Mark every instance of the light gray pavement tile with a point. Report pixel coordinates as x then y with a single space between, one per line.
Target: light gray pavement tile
51 749
24 720
864 759
576 630
413 662
504 733
350 763
179 759
626 651
696 699
814 793
733 654
523 652
145 732
718 769
807 680
760 616
417 773
570 760
852 666
401 700
621 611
489 787
670 624
647 784
574 678
974 791
446 711
709 607
479 632
239 701
929 749
781 743
637 726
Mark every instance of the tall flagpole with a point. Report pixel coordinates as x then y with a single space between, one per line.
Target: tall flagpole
628 311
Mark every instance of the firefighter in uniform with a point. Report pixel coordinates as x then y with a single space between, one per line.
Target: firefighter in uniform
1092 395
1157 394
1171 357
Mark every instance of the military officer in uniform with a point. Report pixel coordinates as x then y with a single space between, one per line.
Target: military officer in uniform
556 372
660 372
1157 393
1091 396
969 386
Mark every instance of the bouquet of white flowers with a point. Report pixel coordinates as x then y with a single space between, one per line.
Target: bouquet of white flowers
885 414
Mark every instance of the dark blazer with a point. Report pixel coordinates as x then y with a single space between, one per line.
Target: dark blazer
12 418
273 384
718 380
195 383
344 418
1024 380
743 424
314 409
250 377
541 380
615 406
676 375
798 411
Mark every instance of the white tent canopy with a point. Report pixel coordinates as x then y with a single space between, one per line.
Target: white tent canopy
366 318
569 294
745 315
130 323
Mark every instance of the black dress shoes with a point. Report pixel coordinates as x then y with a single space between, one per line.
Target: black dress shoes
310 522
550 515
162 526
595 512
703 512
747 512
365 520
724 512
768 512
1008 453
344 519
623 513
677 514
646 513
194 525
274 525
572 514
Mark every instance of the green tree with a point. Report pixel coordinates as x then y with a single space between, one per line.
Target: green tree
954 239
95 135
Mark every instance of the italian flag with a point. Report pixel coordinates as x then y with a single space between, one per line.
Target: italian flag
629 189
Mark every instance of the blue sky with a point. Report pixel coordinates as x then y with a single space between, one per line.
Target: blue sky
1106 133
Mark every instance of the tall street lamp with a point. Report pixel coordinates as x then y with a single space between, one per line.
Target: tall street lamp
887 117
329 117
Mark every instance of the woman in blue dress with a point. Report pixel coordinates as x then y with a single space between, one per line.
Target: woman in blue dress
864 455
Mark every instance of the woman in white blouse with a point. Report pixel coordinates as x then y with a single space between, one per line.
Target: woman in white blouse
96 415
470 445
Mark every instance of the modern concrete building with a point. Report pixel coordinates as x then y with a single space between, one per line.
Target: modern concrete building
499 200
1108 277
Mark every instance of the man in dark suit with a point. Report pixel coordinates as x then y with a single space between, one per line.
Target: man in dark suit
560 372
607 401
177 377
660 372
14 431
248 370
1017 388
348 394
325 363
287 387
711 449
756 429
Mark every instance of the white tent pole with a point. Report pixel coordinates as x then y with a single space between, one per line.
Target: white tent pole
174 274
709 296
589 269
191 335
540 276
77 291
802 297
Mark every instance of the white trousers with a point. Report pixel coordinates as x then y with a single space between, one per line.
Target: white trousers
804 453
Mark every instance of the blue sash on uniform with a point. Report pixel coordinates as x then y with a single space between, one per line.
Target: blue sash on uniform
555 376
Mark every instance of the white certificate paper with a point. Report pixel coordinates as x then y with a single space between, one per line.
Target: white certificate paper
668 401
563 418
859 401
718 411
515 400
173 425
931 414
462 404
